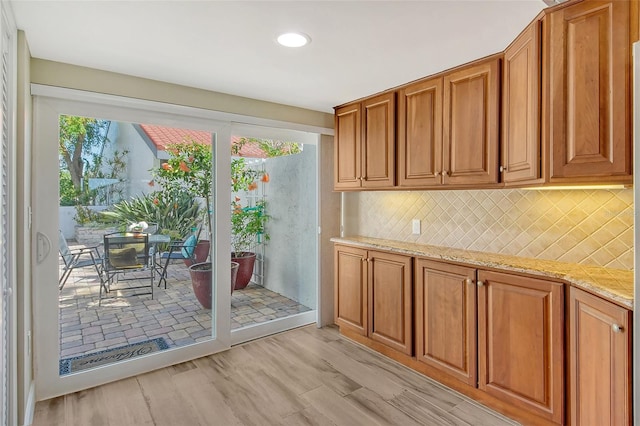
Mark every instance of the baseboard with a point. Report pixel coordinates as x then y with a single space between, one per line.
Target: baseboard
30 406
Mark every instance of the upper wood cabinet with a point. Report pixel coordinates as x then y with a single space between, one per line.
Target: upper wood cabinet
599 361
521 143
420 134
520 342
556 110
347 164
471 124
365 144
350 292
445 318
588 121
448 128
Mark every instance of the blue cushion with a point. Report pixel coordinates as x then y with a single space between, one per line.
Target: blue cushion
189 246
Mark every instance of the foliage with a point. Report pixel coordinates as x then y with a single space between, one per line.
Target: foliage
80 145
273 148
175 214
79 137
68 194
242 177
188 170
115 168
248 225
84 215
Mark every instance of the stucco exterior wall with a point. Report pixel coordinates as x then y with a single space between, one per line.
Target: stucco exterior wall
290 255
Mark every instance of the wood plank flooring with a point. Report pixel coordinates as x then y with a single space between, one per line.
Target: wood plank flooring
306 376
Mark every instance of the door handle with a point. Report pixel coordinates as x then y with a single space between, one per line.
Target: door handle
43 247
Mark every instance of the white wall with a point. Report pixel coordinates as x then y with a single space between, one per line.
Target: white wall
67 221
139 160
291 254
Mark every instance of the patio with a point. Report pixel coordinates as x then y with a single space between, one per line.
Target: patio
173 314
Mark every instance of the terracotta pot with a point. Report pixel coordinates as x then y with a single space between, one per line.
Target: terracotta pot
201 282
201 252
245 270
201 275
234 275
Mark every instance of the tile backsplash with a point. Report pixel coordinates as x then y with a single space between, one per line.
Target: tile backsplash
592 227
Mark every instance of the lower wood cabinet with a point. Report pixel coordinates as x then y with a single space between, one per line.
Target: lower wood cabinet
498 337
350 292
445 318
374 295
599 361
391 300
520 342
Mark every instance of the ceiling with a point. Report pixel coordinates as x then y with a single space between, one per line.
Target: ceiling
358 47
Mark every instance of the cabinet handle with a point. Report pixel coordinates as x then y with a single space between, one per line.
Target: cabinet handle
480 283
617 328
503 169
468 281
447 172
436 174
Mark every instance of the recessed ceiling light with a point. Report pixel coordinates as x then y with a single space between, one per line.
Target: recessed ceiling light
293 39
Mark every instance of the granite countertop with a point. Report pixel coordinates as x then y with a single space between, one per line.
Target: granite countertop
615 285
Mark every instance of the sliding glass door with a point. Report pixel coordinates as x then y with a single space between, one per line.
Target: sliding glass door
128 208
138 208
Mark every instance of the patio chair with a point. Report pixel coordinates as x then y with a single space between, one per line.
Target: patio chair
127 253
83 257
184 250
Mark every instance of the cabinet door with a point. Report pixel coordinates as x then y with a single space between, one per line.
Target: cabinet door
391 300
520 342
470 124
599 361
379 141
589 92
445 318
347 147
420 134
350 303
521 107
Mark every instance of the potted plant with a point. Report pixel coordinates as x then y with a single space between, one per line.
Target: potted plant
248 227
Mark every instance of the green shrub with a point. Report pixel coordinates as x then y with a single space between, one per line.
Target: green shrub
175 214
84 215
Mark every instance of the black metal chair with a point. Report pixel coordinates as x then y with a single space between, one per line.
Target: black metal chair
83 257
184 250
127 253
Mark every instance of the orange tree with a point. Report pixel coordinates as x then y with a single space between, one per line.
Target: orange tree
188 170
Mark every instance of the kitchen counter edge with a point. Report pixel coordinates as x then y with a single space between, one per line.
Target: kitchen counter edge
615 285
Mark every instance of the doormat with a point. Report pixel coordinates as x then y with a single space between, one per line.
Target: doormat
96 359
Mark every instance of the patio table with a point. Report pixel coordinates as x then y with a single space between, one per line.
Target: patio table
154 240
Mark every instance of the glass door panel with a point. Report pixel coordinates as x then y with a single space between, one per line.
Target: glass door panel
139 180
131 216
273 216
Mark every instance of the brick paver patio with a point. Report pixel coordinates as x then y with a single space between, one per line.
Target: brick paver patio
174 313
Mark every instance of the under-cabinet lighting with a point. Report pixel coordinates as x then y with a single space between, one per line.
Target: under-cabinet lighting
569 187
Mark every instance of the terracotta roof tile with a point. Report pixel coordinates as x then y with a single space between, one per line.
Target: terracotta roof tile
162 136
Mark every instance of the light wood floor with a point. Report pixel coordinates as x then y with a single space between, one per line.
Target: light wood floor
306 376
